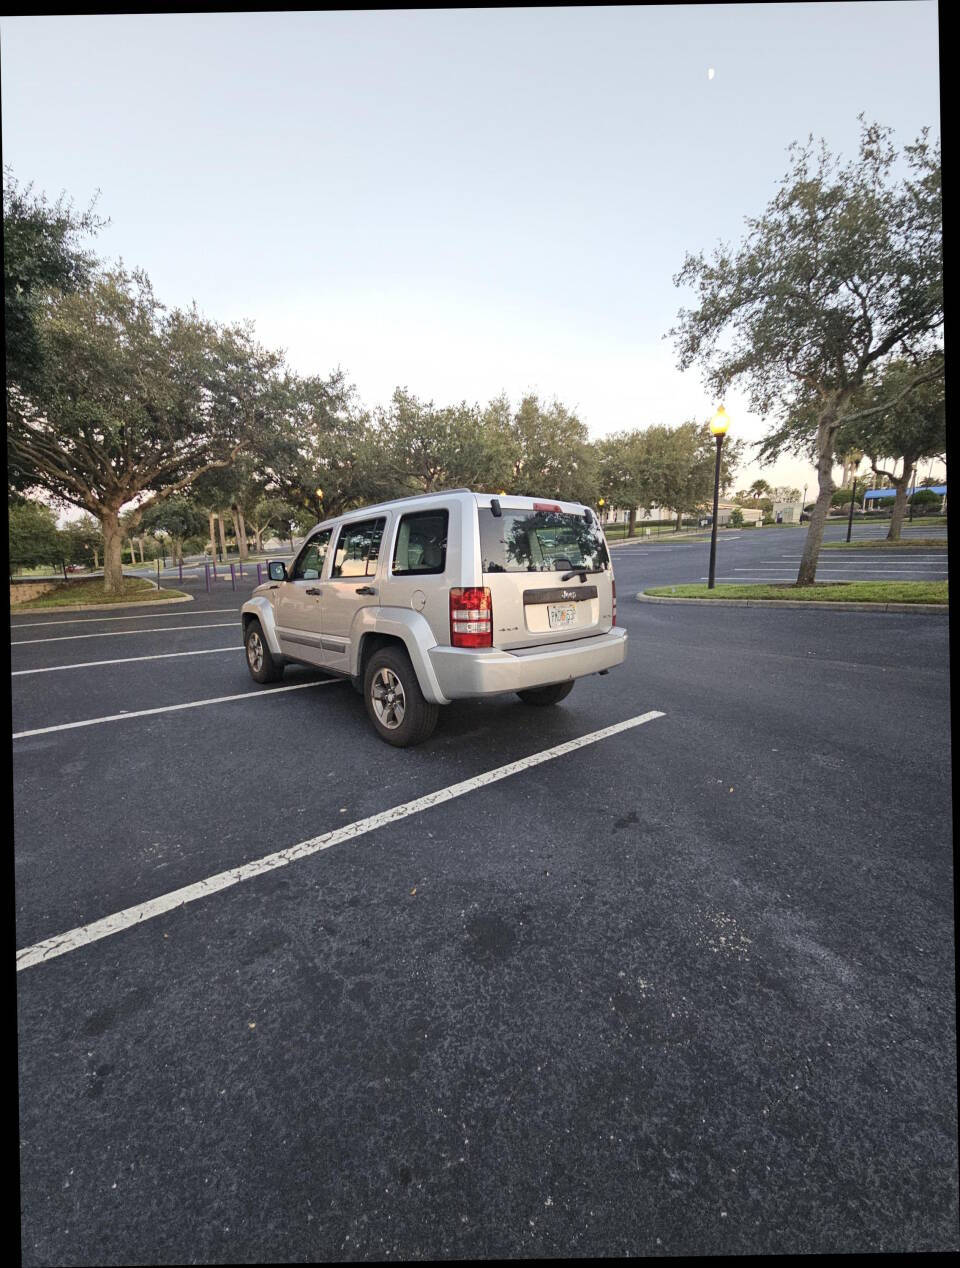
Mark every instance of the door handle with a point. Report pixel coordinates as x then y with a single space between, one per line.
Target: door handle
366 590
312 592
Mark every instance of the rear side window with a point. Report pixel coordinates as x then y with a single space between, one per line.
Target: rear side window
421 545
540 541
358 548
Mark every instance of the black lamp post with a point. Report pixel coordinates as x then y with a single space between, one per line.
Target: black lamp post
718 427
855 458
852 499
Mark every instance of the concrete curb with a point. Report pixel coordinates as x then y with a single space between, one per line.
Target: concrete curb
842 605
100 607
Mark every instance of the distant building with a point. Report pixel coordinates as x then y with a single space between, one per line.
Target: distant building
752 515
646 514
787 512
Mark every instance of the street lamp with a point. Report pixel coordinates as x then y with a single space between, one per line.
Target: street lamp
856 457
718 427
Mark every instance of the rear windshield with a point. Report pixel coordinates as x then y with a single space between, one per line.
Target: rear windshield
540 541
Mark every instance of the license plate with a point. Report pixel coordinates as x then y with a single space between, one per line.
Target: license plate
561 615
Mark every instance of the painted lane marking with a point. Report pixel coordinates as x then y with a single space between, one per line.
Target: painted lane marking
124 660
872 554
97 620
160 629
173 708
41 952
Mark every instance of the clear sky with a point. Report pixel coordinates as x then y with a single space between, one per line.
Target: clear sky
458 201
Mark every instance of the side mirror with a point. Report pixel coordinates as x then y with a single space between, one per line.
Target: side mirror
277 571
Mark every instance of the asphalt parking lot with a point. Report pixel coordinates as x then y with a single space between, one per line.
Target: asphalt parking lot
687 987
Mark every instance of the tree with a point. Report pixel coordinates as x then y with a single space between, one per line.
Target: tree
425 448
784 493
177 517
267 513
904 433
840 273
553 456
82 542
759 488
33 535
322 456
133 402
680 464
843 497
42 259
622 472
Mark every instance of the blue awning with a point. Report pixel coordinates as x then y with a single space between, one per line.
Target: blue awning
876 494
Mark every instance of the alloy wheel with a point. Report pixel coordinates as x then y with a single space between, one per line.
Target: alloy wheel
255 652
389 701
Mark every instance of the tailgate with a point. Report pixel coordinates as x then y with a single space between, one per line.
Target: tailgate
525 556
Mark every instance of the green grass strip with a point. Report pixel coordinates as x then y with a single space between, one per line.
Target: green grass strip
79 593
831 591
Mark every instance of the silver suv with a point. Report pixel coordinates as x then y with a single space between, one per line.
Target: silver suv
441 597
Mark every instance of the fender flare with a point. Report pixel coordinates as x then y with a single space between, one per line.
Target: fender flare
414 632
259 605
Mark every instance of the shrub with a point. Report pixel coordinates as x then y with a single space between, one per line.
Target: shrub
736 518
923 497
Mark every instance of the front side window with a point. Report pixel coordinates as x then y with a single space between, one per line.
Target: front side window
540 541
358 548
309 563
421 545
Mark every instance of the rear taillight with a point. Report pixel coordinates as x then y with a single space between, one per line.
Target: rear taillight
613 586
471 617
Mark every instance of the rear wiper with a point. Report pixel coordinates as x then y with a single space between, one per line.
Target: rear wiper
577 572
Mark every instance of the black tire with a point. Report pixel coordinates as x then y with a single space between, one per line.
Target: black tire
260 661
394 702
546 695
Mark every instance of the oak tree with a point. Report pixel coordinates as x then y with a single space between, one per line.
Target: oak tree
841 273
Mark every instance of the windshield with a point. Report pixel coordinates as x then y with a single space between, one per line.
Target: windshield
540 541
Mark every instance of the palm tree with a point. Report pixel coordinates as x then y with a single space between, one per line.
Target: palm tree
759 488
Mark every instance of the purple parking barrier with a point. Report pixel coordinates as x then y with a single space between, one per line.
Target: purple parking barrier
214 567
181 569
259 576
233 577
206 573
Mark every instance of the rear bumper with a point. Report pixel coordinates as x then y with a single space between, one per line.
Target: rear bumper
466 671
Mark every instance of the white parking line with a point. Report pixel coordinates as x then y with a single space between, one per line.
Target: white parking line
124 660
41 952
872 554
97 620
172 708
160 629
